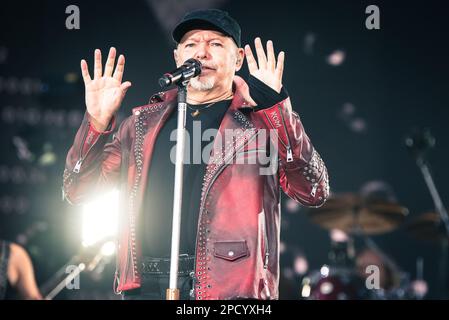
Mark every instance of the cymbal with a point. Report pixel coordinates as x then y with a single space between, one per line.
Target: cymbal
353 213
427 227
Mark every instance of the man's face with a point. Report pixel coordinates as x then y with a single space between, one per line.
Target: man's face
218 54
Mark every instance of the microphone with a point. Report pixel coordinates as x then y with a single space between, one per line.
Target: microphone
419 141
191 68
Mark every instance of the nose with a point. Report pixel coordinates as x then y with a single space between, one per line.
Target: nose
202 53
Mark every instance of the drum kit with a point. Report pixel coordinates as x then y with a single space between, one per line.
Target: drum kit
366 273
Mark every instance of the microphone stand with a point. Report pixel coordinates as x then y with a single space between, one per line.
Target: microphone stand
441 210
87 259
181 77
172 293
418 143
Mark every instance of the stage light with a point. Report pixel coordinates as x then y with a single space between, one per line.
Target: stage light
324 271
306 288
292 206
282 247
301 265
358 125
336 58
48 157
338 235
71 77
108 249
100 219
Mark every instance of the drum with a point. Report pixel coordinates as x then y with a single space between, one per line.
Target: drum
332 283
403 290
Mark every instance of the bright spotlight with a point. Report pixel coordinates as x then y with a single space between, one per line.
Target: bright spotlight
108 249
324 271
306 288
336 58
100 219
301 266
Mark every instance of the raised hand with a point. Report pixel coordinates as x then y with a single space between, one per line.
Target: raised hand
105 92
266 69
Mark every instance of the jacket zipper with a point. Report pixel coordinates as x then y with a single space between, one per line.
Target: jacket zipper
288 147
76 168
265 242
314 187
78 164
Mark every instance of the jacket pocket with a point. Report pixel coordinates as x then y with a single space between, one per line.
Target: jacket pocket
231 250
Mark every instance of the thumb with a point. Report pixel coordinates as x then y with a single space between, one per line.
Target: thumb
125 86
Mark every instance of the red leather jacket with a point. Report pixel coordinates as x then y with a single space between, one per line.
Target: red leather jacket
238 237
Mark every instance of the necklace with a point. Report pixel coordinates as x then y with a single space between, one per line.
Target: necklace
196 111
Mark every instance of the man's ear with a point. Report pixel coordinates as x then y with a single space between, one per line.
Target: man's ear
176 57
240 58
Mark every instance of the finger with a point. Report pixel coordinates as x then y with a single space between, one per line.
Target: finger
110 63
125 86
261 58
280 66
85 72
118 73
252 64
271 61
97 65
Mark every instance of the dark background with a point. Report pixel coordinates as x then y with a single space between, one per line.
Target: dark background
357 113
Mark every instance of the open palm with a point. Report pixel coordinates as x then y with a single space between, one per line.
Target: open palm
105 92
266 69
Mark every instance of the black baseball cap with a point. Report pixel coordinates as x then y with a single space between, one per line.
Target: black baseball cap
208 19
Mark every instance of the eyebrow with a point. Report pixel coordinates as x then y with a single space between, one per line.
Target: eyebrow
212 39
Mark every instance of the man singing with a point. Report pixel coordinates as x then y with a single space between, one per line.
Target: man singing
230 224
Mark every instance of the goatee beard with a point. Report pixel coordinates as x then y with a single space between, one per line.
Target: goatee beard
203 84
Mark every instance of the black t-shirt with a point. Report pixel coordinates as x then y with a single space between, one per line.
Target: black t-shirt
156 218
158 206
